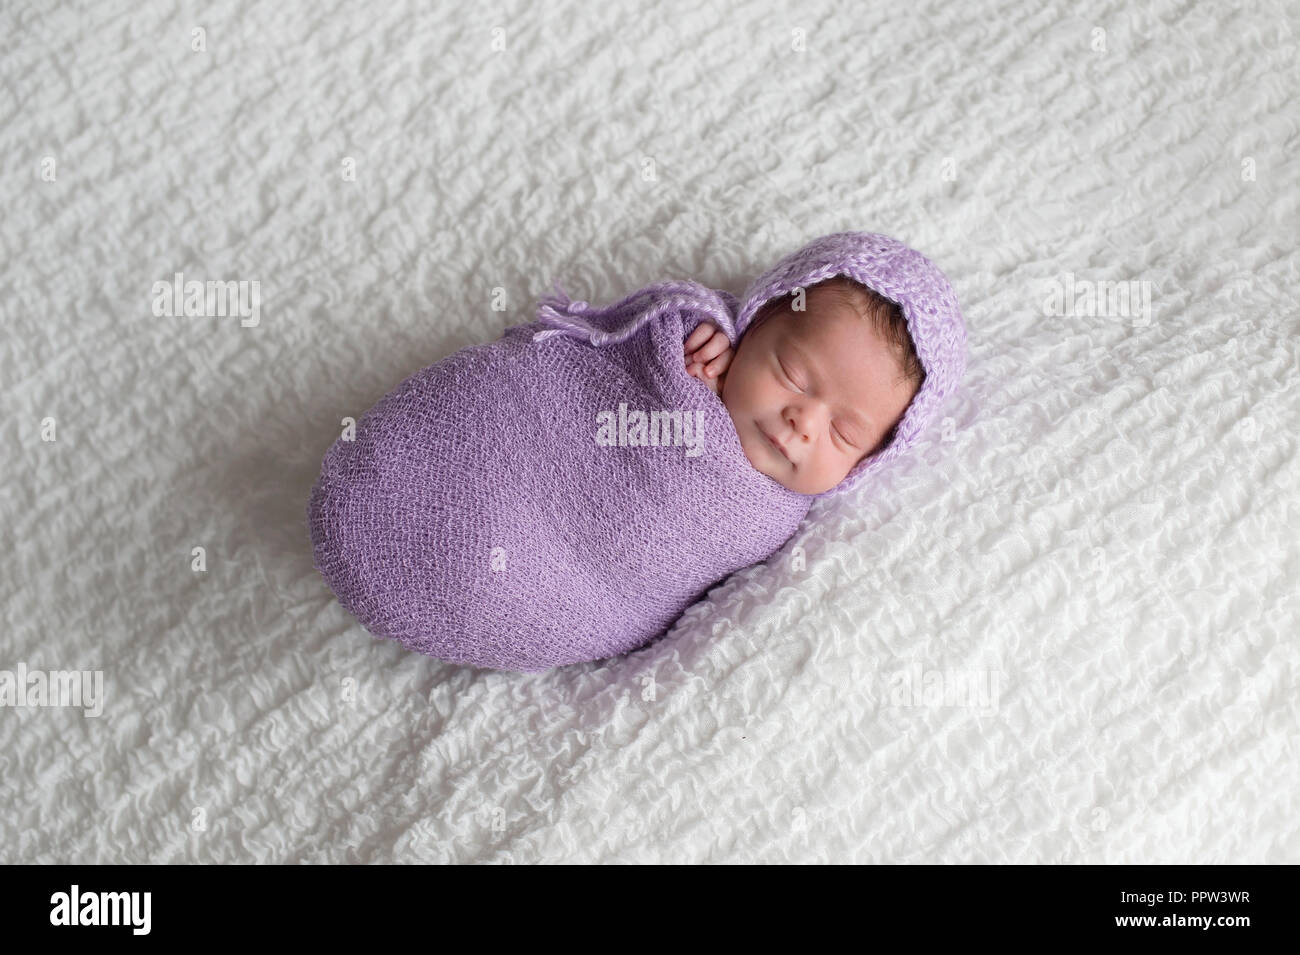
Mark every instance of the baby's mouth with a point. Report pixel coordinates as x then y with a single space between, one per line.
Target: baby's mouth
774 443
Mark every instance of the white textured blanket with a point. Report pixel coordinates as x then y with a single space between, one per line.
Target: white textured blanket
1063 630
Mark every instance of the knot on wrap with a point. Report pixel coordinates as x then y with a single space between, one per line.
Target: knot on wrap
478 516
620 321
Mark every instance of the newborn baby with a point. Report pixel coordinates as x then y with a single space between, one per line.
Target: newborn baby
562 494
813 391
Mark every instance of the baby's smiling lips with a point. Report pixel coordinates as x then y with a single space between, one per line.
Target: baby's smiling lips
774 443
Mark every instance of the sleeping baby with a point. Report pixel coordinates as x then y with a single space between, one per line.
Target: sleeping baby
814 389
562 494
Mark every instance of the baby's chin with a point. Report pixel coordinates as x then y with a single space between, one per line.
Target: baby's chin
758 458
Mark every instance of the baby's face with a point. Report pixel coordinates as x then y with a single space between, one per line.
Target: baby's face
812 393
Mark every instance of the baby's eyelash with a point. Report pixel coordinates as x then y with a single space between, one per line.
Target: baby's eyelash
781 365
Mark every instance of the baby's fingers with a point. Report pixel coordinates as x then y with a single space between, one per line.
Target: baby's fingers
720 364
698 337
711 349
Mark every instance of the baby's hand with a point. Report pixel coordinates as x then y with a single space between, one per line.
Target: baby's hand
708 353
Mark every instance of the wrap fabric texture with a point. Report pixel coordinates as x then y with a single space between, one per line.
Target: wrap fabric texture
505 507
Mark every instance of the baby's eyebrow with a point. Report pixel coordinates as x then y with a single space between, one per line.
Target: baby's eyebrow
849 412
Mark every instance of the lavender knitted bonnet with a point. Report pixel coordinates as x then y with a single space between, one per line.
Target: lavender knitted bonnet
902 275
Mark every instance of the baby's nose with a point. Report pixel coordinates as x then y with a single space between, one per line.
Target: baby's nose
803 420
798 420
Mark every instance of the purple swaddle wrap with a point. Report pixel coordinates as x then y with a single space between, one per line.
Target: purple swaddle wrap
506 507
